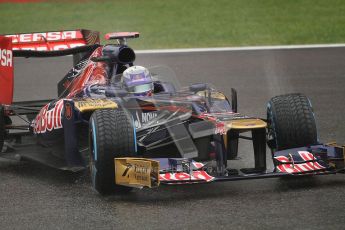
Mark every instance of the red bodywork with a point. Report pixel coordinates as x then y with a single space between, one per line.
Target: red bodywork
6 71
46 41
55 40
94 73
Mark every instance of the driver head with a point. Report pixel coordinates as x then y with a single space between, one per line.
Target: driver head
138 81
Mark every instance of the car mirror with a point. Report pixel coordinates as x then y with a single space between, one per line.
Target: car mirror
115 92
198 87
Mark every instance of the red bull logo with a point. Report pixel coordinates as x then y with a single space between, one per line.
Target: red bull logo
47 120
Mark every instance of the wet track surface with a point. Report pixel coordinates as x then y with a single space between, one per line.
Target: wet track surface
37 197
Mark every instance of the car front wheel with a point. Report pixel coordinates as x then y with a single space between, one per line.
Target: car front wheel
291 122
111 135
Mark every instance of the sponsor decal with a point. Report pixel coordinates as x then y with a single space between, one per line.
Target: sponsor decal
198 165
47 120
6 71
136 172
6 57
47 41
220 128
68 111
143 118
92 104
182 176
77 69
45 36
290 166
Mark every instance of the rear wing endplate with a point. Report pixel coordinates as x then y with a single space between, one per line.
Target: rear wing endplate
6 71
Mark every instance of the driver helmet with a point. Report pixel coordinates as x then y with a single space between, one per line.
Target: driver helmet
138 80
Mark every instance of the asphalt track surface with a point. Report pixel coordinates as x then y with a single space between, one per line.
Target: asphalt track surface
37 197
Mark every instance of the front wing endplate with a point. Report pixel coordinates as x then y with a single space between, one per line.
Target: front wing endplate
136 172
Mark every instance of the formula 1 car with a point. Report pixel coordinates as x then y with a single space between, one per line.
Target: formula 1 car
178 135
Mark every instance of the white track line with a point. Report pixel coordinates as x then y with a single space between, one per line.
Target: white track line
245 48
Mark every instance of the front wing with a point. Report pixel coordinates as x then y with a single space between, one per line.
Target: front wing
312 160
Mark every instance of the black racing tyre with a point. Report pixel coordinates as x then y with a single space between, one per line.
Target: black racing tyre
234 100
232 144
232 136
2 127
291 122
111 134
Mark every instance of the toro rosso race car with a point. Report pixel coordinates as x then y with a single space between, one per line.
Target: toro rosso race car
167 135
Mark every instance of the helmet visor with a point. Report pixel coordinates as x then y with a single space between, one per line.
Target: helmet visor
137 79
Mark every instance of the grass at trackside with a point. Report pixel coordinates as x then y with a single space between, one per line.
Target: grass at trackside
189 23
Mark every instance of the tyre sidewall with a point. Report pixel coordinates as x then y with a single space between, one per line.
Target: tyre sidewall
102 154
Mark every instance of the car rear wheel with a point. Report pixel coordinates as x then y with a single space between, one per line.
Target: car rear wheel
291 122
2 127
111 135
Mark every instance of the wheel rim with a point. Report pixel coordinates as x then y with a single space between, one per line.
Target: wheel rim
93 169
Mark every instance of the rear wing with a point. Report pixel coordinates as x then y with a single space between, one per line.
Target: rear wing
41 44
54 43
53 40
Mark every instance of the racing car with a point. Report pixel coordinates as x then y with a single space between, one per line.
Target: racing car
172 135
